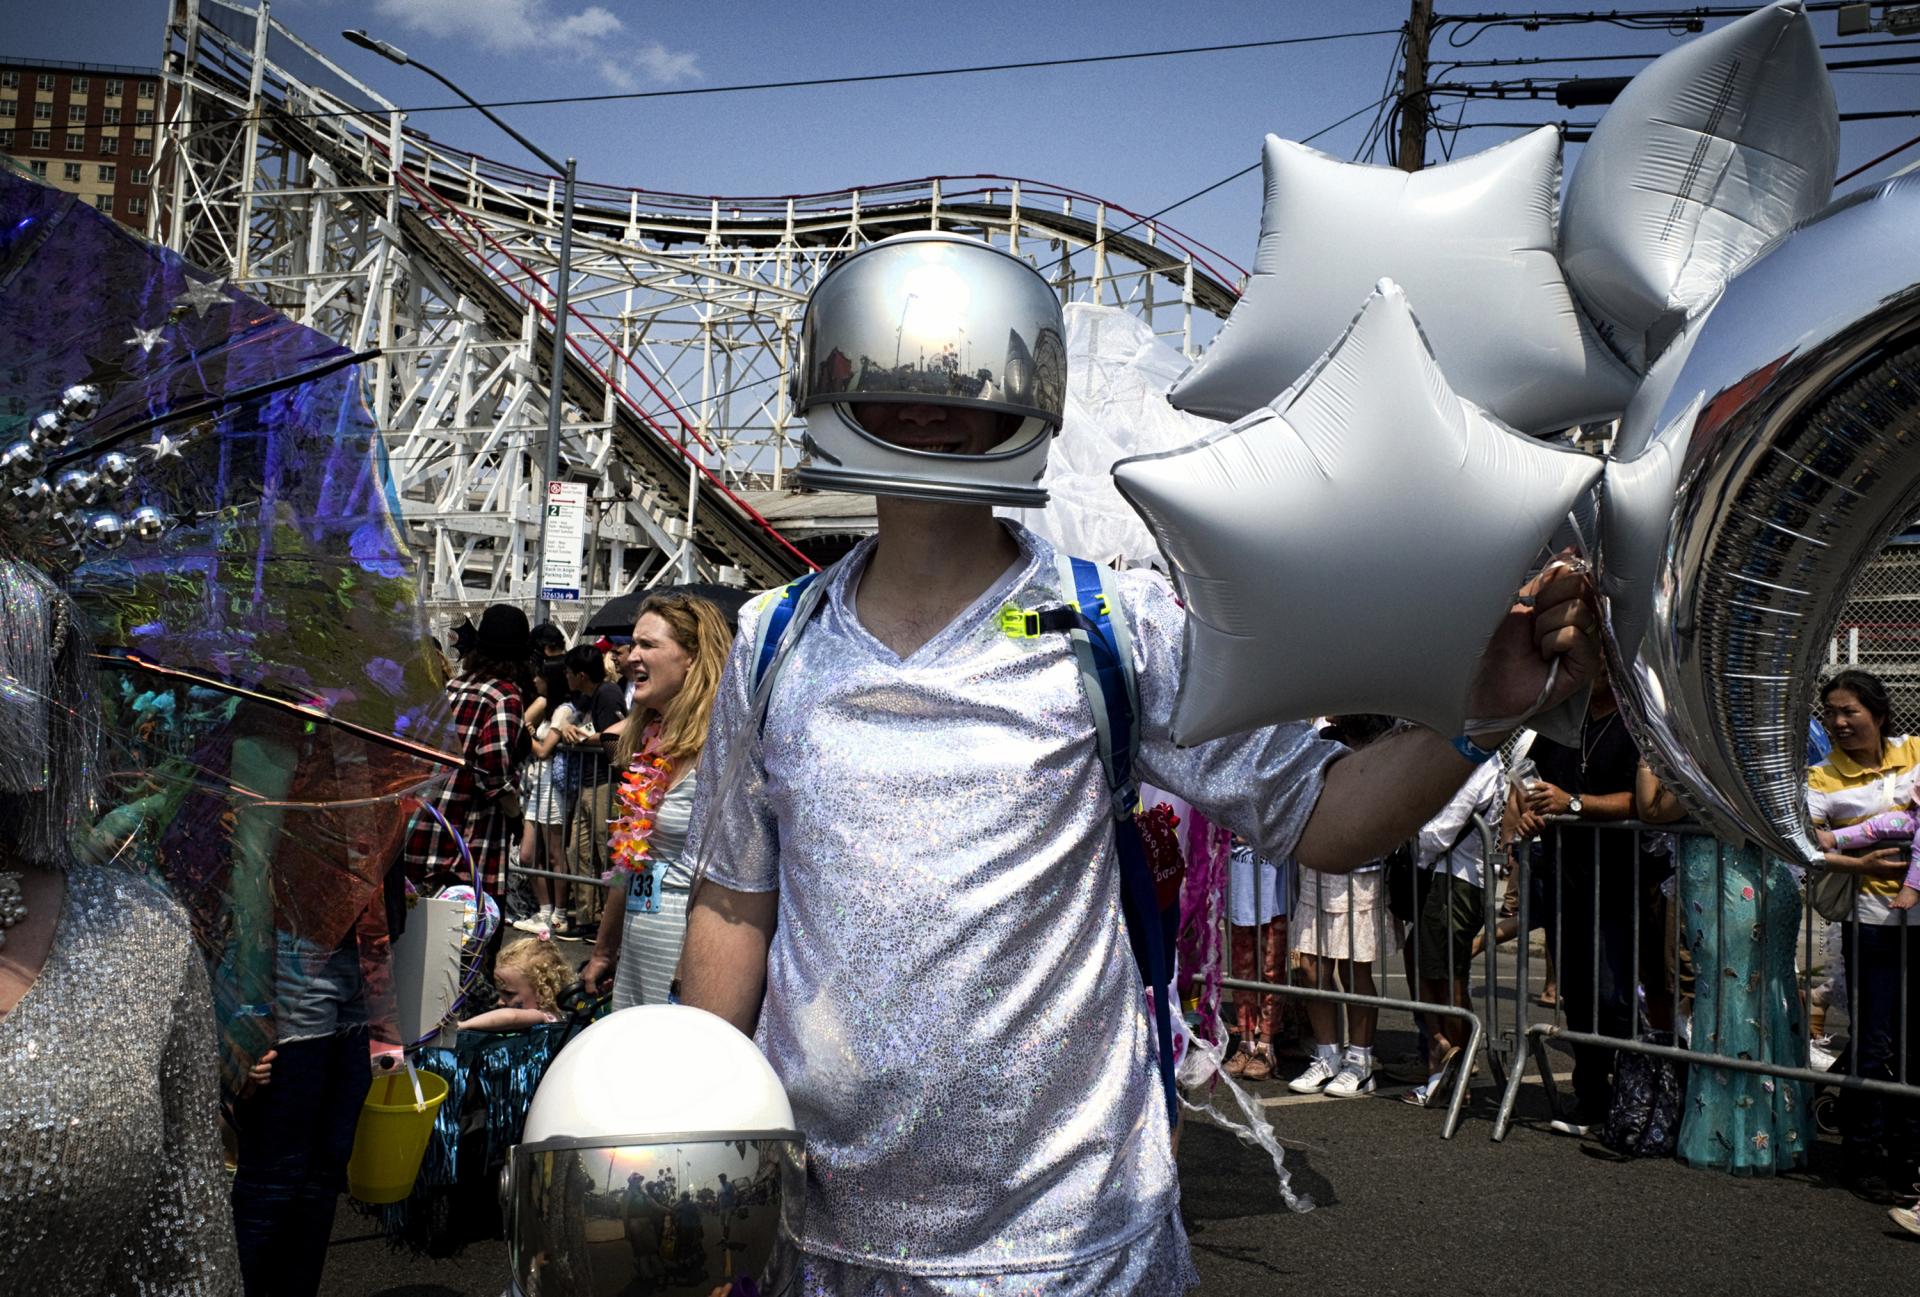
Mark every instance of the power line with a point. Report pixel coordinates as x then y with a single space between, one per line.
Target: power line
1026 65
1870 163
1201 193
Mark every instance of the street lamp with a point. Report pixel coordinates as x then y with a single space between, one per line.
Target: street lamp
550 453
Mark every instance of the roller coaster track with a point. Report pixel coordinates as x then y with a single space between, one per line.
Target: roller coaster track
307 188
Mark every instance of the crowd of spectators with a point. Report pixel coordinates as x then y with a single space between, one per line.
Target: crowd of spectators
1653 936
550 731
1656 932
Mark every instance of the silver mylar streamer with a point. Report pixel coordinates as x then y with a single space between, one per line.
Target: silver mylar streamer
1767 466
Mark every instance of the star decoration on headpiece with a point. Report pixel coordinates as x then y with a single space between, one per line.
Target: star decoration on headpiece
1353 545
146 339
201 295
163 447
1472 242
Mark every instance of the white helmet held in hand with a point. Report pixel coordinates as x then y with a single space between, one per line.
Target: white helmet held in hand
932 366
659 1156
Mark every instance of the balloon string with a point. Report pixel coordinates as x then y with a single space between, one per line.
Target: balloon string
1506 724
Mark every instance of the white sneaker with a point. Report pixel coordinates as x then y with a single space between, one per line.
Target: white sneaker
539 924
1312 1081
1355 1078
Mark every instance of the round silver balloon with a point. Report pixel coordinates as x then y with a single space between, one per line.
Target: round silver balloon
1781 456
147 524
21 460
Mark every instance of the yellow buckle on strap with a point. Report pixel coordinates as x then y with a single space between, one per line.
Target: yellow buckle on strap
1019 623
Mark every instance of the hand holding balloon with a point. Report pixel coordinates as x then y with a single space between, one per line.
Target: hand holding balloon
1543 652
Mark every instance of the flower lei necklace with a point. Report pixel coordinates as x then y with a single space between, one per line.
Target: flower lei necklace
638 798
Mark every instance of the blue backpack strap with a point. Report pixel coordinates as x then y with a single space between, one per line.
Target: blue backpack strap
1102 647
798 601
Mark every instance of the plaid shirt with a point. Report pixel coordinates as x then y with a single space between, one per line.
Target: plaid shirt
486 716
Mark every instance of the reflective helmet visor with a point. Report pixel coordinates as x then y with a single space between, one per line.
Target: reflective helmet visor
944 324
687 1216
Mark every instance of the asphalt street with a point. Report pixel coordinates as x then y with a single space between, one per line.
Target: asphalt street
1401 1211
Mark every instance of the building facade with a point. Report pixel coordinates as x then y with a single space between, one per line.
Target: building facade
85 128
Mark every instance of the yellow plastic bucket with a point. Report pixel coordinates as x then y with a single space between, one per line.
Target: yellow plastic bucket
392 1136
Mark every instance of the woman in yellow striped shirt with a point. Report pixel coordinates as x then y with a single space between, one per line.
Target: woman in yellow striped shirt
1868 772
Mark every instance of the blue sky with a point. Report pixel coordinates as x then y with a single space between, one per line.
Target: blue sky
1140 134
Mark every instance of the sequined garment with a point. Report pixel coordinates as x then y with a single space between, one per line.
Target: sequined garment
110 1173
951 1000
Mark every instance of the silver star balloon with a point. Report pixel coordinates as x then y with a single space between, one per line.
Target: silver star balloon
1471 241
1354 544
1715 149
146 339
202 295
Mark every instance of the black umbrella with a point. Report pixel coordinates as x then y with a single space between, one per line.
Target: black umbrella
617 615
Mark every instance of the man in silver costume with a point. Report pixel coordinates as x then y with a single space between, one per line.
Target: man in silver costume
912 895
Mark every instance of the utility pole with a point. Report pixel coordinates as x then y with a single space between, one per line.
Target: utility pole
1412 152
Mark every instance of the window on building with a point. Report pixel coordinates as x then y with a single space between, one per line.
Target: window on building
109 144
136 205
115 87
143 117
146 89
44 81
9 80
109 116
143 148
80 85
6 141
43 112
8 107
106 172
139 176
103 201
76 142
39 167
76 113
43 139
70 171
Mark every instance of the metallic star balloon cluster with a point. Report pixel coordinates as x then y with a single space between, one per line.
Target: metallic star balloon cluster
1352 542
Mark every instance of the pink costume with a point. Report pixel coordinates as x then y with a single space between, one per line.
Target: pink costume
1888 826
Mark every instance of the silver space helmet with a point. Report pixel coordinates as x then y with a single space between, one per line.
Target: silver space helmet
931 324
659 1156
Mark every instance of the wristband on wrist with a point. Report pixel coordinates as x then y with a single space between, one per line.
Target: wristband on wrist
1472 751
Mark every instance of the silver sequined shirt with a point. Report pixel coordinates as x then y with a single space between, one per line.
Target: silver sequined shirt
110 1173
951 1000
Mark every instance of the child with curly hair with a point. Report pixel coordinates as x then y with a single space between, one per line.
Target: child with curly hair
530 976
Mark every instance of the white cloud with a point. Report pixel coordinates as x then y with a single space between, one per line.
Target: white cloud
594 36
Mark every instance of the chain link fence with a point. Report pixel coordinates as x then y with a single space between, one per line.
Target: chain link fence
1880 630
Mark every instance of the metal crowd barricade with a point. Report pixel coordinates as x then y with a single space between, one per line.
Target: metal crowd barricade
569 788
1758 878
1482 1025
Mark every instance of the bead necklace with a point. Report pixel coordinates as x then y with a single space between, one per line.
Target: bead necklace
13 904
